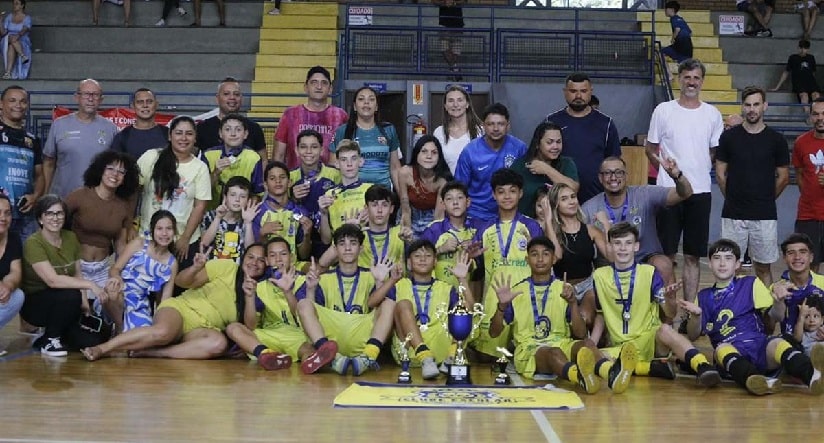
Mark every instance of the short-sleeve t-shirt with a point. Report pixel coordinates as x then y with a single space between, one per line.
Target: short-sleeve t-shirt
98 222
808 158
37 250
376 145
14 251
20 153
135 142
297 118
74 144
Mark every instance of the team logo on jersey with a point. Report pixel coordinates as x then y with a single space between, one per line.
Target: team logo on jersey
382 140
28 142
522 244
508 160
101 137
636 220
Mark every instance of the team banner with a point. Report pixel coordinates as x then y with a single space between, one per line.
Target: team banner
380 395
121 117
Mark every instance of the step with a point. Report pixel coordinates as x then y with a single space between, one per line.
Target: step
305 8
167 40
276 101
301 48
271 34
255 114
698 29
292 75
261 87
697 16
708 54
705 42
726 110
300 22
295 61
712 68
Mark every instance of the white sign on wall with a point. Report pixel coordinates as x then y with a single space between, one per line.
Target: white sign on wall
731 24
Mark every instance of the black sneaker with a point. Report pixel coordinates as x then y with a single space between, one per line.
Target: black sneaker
708 376
662 368
53 348
747 262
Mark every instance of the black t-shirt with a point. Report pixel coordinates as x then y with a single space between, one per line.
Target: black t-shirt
14 251
208 135
751 162
450 17
136 142
802 72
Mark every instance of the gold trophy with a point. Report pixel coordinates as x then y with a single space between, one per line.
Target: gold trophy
500 364
404 377
461 323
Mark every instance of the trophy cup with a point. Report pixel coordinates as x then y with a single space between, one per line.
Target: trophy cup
404 377
500 364
460 323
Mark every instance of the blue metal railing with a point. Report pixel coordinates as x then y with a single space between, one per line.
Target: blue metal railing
663 71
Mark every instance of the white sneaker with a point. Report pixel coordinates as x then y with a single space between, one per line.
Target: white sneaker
54 348
181 12
274 11
161 22
429 369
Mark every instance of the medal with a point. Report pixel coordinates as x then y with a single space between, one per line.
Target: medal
505 246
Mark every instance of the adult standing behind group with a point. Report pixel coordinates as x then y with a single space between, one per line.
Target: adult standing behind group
316 114
75 139
752 169
808 161
589 135
144 133
461 125
378 141
687 130
229 100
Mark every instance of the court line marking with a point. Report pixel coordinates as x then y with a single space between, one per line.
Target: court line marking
539 416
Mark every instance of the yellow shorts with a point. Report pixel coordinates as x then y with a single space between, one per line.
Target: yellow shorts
191 319
644 342
283 338
350 331
525 353
436 339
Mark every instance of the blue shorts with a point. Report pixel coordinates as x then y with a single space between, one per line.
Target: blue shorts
755 350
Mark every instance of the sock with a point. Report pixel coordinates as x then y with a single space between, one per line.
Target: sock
570 372
739 368
373 348
320 342
794 361
694 358
422 352
642 368
258 350
602 368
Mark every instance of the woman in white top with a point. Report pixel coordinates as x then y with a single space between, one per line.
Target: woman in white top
462 125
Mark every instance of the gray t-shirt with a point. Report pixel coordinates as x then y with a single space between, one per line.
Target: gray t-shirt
643 203
74 144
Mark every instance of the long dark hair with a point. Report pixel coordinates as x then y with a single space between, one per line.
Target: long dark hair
535 144
473 122
160 214
240 277
441 168
352 123
164 174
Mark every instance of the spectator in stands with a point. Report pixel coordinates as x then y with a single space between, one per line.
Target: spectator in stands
589 135
801 70
378 140
420 183
75 139
680 47
23 184
127 10
175 180
144 133
686 130
16 43
11 271
461 124
483 156
168 5
51 277
809 13
450 16
752 168
276 9
543 165
761 11
315 114
808 161
221 12
229 100
101 213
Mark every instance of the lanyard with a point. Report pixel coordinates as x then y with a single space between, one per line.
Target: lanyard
505 246
347 304
423 311
375 258
626 302
535 313
624 208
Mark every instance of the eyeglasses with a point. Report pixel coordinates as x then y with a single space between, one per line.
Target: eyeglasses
620 173
54 214
85 94
115 170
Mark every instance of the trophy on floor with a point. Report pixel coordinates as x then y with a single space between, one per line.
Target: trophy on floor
500 364
404 377
460 323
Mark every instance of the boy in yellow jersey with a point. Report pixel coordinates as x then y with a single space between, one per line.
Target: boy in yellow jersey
420 298
504 243
453 233
232 158
278 216
732 313
344 203
276 337
311 180
630 295
549 330
341 304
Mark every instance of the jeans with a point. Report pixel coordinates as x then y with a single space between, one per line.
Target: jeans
11 307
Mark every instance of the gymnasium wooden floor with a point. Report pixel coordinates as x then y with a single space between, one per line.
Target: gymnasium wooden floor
143 400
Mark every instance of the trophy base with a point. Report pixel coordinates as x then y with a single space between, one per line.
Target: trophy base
404 378
458 375
502 379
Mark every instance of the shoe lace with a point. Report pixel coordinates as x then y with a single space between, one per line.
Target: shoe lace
55 343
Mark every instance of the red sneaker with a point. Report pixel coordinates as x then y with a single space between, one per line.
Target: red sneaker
320 358
274 360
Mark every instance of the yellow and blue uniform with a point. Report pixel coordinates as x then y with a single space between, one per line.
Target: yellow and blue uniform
246 163
375 247
320 181
347 199
288 215
428 300
341 304
438 232
279 328
539 317
814 287
631 307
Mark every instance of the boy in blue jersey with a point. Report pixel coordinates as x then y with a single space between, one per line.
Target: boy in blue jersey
550 333
680 47
482 157
232 158
796 284
277 338
341 304
344 203
280 216
630 296
732 314
311 180
504 239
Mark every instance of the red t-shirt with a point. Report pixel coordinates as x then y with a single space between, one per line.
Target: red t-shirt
808 151
297 118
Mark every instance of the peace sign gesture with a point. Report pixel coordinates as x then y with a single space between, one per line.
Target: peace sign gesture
202 256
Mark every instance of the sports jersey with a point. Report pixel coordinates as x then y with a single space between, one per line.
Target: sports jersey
505 243
814 287
272 305
375 247
322 180
376 145
20 153
427 298
343 293
245 163
734 313
539 313
438 233
288 215
212 305
632 309
347 198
